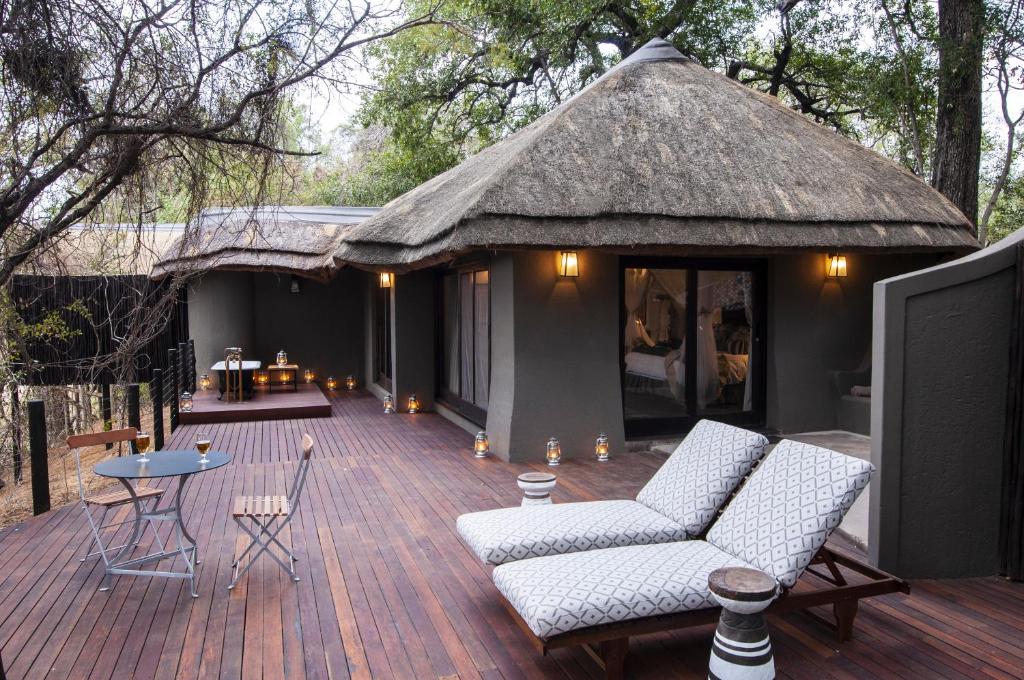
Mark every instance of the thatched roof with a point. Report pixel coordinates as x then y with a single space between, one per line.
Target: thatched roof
289 239
662 154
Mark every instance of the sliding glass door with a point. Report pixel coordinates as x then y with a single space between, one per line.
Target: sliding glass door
692 343
464 364
382 336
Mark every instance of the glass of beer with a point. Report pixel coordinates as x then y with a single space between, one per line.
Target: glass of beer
202 445
142 443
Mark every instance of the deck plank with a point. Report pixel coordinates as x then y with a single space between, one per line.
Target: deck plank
387 589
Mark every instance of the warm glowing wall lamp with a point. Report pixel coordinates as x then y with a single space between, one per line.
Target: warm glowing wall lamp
386 279
835 266
568 264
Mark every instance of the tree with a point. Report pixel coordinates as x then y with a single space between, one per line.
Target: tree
446 90
958 122
105 100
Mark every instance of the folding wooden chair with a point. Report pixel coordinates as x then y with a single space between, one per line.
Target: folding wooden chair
144 496
264 517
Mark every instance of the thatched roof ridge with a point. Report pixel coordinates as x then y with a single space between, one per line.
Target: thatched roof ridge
291 239
662 152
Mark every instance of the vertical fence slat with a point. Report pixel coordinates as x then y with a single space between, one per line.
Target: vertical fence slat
106 410
174 372
156 390
16 436
191 365
134 414
39 456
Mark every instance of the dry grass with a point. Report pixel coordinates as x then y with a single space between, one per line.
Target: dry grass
16 499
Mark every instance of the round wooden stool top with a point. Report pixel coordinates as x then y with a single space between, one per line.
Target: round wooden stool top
742 584
536 477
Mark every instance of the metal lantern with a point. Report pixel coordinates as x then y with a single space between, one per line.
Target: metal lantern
332 383
204 382
414 404
601 447
350 382
282 358
554 454
308 375
389 404
263 377
835 266
481 447
185 402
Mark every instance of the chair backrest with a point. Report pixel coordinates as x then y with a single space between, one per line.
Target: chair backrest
299 482
77 442
788 508
702 473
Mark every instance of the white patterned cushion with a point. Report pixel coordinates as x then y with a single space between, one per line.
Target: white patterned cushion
508 534
701 473
789 506
560 593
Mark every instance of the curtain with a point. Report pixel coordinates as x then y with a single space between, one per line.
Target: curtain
748 311
707 355
481 331
637 281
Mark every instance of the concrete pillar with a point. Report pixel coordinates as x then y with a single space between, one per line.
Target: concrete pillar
413 338
554 355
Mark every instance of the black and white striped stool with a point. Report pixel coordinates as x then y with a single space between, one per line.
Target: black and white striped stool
742 650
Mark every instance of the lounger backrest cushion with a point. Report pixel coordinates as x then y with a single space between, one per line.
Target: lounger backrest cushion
701 473
785 512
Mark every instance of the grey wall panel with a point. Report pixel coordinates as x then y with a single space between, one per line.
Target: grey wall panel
220 314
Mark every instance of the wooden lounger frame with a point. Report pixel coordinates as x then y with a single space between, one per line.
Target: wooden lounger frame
609 644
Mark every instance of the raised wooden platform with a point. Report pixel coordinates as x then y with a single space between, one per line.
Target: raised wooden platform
281 404
389 591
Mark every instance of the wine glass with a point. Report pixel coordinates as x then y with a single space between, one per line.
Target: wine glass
202 445
142 442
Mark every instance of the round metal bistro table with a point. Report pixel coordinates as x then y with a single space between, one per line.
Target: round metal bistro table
180 464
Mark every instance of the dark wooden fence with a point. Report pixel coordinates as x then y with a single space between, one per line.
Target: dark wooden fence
100 312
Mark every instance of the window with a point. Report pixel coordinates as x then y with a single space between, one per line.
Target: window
691 318
382 337
465 343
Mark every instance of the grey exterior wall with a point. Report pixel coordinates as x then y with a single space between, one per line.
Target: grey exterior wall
818 325
941 351
554 355
321 327
220 314
413 339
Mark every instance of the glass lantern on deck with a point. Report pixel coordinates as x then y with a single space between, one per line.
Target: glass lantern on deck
204 382
554 452
350 383
282 358
185 402
332 383
389 404
308 375
601 447
481 447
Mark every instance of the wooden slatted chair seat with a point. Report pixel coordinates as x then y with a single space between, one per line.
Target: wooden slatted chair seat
260 506
121 497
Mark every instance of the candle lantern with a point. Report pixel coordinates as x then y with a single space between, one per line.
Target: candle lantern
185 403
285 377
262 377
389 404
332 383
350 382
601 447
554 454
308 375
414 404
282 358
204 382
481 447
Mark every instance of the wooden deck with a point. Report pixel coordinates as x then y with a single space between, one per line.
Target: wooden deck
308 401
388 590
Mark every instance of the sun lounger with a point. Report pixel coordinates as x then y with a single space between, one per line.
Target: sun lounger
778 522
678 503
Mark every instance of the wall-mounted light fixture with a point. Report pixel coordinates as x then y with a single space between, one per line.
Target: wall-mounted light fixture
568 264
835 266
295 286
386 279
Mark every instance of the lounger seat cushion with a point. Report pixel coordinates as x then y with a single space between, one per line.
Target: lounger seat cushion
788 508
508 534
562 593
701 473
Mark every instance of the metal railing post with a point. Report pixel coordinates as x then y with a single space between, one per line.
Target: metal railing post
134 415
156 390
